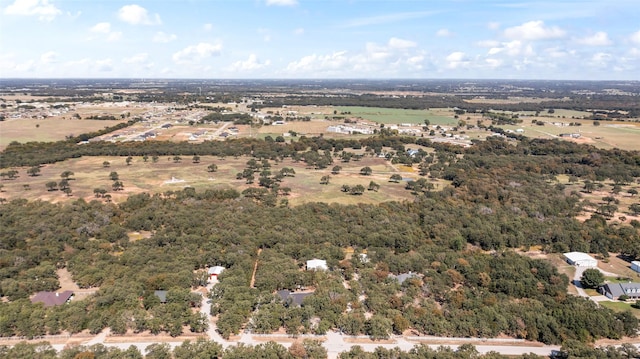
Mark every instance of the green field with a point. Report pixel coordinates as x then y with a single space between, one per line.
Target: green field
396 116
620 307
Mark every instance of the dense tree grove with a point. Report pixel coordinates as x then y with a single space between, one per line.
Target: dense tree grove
455 242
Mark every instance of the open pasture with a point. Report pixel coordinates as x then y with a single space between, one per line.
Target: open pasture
609 134
437 116
47 130
168 175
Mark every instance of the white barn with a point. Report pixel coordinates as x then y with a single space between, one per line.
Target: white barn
317 264
214 272
635 265
580 259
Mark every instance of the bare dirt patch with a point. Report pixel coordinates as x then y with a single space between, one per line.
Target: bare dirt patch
67 283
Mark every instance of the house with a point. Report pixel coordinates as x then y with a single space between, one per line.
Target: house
166 125
402 277
613 291
292 298
50 299
580 259
635 265
317 264
162 295
214 272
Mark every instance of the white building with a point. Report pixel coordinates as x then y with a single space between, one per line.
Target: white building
635 265
580 259
317 264
214 272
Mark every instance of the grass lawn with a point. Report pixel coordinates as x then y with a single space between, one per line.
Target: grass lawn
396 116
620 307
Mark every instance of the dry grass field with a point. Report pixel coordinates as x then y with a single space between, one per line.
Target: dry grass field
49 129
609 134
140 176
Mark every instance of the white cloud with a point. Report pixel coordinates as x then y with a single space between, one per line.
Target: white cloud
386 19
207 27
196 53
457 60
105 28
250 64
600 38
600 59
41 8
635 37
512 48
105 65
49 57
488 43
298 31
162 37
444 33
319 64
396 43
137 15
101 27
533 30
282 2
136 59
493 25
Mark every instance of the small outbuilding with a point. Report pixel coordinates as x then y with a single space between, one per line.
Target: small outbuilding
292 299
635 265
214 272
317 264
580 259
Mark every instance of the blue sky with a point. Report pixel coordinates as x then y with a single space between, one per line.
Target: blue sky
503 39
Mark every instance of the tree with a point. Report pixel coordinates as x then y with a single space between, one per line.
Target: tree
117 186
145 158
589 186
114 176
325 179
52 186
357 189
336 169
177 159
128 160
67 174
33 171
592 278
632 192
64 184
212 168
635 208
366 171
155 158
427 122
395 178
195 159
373 186
345 188
67 191
106 164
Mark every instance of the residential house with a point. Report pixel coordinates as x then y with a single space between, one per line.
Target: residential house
317 264
214 272
162 295
292 299
50 299
613 291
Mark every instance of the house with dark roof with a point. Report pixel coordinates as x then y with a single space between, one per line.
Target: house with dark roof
162 295
50 299
613 291
292 298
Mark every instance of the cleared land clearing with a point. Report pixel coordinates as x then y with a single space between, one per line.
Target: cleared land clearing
437 116
150 177
47 130
609 134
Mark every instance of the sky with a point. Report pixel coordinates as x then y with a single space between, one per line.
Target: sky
321 39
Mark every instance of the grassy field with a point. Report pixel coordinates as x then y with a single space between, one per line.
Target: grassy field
621 307
50 129
396 116
140 176
609 134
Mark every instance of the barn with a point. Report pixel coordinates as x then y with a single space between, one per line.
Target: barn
214 272
635 265
580 259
